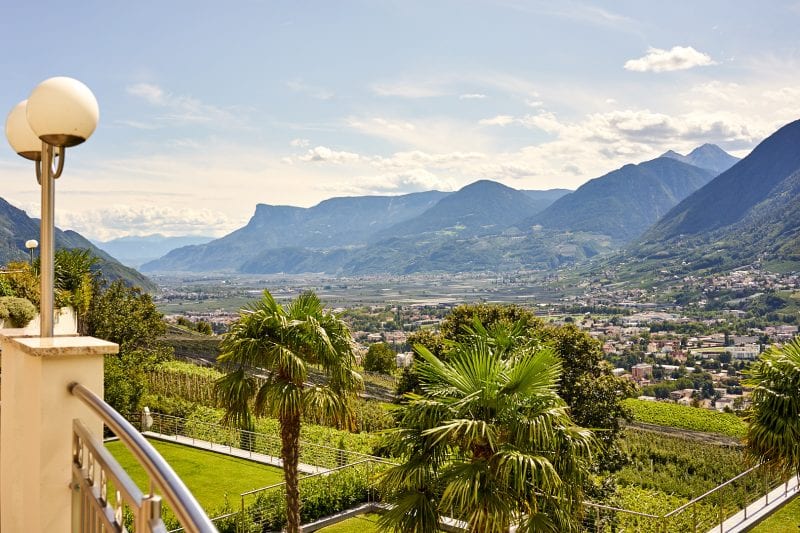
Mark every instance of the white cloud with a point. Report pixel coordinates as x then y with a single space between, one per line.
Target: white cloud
121 219
499 120
402 182
430 134
300 143
323 153
319 93
409 89
677 58
576 11
136 124
148 92
180 109
472 96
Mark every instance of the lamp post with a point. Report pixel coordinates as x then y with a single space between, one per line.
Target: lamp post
30 244
60 112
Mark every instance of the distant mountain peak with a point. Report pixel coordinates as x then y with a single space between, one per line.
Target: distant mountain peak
625 202
485 185
708 156
748 213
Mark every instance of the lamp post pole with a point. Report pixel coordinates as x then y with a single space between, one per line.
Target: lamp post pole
30 244
47 251
60 112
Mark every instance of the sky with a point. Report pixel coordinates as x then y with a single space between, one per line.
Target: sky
209 108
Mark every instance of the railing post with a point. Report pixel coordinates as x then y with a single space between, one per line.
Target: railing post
151 512
242 522
36 443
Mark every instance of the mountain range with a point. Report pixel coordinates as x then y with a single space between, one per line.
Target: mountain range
16 227
673 212
749 213
483 226
626 202
133 251
708 156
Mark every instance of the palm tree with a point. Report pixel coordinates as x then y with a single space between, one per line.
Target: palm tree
489 442
279 343
74 281
773 432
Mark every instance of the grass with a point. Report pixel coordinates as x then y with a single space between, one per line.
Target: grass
210 476
365 523
786 520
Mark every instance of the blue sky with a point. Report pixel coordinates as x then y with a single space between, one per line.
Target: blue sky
208 108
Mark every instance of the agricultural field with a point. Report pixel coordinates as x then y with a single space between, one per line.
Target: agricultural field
675 465
692 418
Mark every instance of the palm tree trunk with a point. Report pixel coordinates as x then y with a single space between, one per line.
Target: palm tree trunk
290 453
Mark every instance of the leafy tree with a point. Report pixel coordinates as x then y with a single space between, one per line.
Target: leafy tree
774 421
458 323
380 358
282 342
408 381
125 315
588 385
434 342
488 441
128 317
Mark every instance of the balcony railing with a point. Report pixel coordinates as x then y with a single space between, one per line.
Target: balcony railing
95 473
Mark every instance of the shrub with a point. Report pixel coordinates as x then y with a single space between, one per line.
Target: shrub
319 496
23 281
18 311
5 287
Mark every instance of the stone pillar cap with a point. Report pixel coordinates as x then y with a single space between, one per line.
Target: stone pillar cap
65 346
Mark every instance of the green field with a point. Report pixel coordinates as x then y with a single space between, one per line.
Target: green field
210 476
786 520
365 523
680 416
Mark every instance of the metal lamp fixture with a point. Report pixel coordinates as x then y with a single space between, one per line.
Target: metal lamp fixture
30 244
59 113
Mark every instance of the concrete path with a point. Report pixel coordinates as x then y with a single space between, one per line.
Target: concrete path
759 509
233 452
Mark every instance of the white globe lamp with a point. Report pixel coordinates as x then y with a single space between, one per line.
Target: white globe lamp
62 111
20 135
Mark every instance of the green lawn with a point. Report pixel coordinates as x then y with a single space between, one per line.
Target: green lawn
364 523
786 520
210 476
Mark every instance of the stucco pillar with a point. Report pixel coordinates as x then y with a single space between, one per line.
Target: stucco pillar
36 426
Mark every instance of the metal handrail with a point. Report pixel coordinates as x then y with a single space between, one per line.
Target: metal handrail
596 505
180 499
712 491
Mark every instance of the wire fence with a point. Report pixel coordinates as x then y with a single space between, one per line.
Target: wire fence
349 478
313 457
748 492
